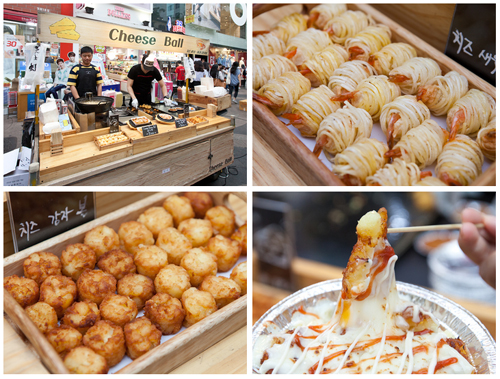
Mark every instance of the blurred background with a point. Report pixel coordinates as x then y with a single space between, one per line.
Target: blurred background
301 238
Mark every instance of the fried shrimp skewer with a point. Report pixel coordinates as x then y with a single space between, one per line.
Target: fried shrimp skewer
306 44
321 66
270 67
288 27
368 41
321 14
414 73
347 25
398 173
487 139
347 77
391 56
267 44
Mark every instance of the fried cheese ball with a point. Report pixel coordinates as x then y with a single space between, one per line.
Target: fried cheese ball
165 312
240 235
134 233
150 260
197 305
95 285
25 291
222 219
198 231
199 264
224 290
82 316
156 219
64 338
226 250
239 275
76 258
174 243
117 262
43 316
141 336
118 309
59 292
179 207
38 266
107 340
101 239
138 287
201 202
83 360
173 280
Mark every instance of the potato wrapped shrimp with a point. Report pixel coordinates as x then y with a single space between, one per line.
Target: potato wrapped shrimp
341 129
440 93
401 115
487 139
414 73
288 27
267 44
470 113
347 25
306 44
311 109
270 67
359 161
321 14
391 56
346 78
368 41
430 181
461 162
282 93
321 66
397 173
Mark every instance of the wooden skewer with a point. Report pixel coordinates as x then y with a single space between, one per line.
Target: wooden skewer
425 228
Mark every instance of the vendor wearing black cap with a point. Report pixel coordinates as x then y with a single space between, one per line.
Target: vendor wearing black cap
139 81
85 77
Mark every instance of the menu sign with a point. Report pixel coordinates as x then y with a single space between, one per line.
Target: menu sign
181 122
149 130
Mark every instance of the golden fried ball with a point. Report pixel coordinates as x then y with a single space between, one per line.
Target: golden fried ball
197 305
156 219
150 260
166 312
83 360
138 287
179 207
201 202
117 262
198 231
101 239
118 309
59 292
224 290
107 340
226 250
132 234
141 336
199 264
82 316
95 285
25 291
76 258
222 219
173 280
174 243
43 316
240 235
38 266
239 275
64 338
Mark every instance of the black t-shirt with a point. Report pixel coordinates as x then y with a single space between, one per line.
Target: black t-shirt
142 81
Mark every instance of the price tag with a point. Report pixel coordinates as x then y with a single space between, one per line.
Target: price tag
181 122
149 130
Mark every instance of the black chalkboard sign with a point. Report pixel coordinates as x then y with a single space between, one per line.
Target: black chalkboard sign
181 122
38 216
472 41
149 130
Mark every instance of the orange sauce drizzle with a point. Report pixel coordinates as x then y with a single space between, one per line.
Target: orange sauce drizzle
302 310
380 260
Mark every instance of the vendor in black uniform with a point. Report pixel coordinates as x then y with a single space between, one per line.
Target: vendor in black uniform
139 81
85 77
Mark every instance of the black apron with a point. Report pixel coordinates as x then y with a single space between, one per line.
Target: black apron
143 98
86 81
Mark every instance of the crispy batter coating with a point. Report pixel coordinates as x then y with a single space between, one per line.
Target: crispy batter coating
150 260
43 316
76 258
199 264
118 309
165 312
174 243
179 207
222 219
59 292
117 262
173 280
64 338
82 316
102 239
224 290
141 336
38 266
138 287
107 340
240 235
25 291
83 360
132 234
226 250
156 219
197 231
95 285
239 275
198 305
201 202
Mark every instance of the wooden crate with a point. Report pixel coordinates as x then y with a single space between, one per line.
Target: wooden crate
75 128
167 356
222 102
299 158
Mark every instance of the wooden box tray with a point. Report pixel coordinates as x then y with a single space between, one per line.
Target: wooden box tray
100 147
299 158
74 125
222 102
165 357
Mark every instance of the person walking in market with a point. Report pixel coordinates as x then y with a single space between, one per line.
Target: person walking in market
235 82
181 75
85 77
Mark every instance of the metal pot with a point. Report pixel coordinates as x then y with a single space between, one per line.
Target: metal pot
97 104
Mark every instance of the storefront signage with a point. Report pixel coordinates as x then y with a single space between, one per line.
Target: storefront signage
119 12
189 19
149 130
181 122
58 28
178 27
11 42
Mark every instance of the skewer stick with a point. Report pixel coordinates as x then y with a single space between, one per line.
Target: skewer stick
425 228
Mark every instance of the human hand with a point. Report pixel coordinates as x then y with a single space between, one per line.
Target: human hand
135 103
480 244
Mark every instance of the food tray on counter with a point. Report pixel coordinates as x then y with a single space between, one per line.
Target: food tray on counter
98 140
